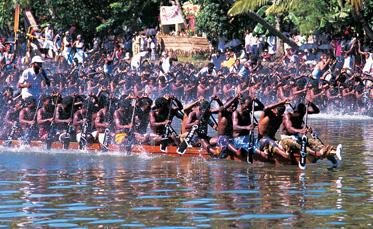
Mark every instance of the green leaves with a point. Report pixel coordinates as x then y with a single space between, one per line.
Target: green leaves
309 16
105 25
243 6
214 21
90 17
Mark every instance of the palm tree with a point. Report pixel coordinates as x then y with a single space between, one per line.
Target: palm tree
278 7
357 8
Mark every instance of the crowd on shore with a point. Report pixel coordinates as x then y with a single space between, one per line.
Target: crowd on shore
337 76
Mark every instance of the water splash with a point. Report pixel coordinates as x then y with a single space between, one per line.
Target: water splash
340 116
41 150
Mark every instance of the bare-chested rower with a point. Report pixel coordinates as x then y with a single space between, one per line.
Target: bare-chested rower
225 127
293 129
269 123
242 125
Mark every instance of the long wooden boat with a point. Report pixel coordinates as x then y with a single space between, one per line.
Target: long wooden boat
139 149
96 147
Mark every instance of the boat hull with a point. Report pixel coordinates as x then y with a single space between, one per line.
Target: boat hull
138 149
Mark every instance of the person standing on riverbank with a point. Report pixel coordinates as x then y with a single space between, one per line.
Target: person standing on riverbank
31 79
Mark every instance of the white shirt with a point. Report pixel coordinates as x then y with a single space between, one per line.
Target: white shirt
248 39
271 40
204 71
136 59
29 76
48 34
221 44
368 67
166 65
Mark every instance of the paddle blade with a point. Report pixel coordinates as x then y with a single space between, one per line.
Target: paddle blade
163 148
303 153
7 143
66 145
339 152
182 148
250 158
82 143
104 148
106 140
302 166
66 141
49 145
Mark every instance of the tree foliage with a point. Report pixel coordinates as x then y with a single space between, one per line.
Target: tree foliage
90 17
214 21
313 16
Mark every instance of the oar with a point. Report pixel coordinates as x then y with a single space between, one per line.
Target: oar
131 134
84 129
83 136
52 128
33 129
11 135
303 150
105 144
186 142
251 136
67 138
164 141
214 120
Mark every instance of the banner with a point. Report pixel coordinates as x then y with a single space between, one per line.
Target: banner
171 15
16 19
30 19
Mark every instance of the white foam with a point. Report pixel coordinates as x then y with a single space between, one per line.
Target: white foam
338 116
42 150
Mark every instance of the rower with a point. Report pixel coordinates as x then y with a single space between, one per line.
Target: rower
11 123
103 120
142 119
85 116
142 115
6 99
63 116
27 119
45 117
225 127
162 115
242 125
204 89
200 117
293 129
188 109
122 121
270 122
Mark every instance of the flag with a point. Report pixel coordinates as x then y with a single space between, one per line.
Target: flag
16 19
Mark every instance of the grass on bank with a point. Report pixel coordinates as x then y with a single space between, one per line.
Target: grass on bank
196 60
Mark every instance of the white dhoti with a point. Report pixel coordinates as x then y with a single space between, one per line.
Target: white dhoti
99 136
66 54
48 44
80 55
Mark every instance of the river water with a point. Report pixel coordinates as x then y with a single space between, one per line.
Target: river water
81 190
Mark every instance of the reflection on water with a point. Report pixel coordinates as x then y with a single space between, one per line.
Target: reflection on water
56 189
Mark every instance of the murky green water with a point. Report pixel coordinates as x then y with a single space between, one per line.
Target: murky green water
82 190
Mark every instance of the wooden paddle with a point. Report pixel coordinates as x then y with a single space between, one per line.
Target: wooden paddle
303 150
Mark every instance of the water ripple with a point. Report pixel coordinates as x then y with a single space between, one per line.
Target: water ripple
266 216
324 211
